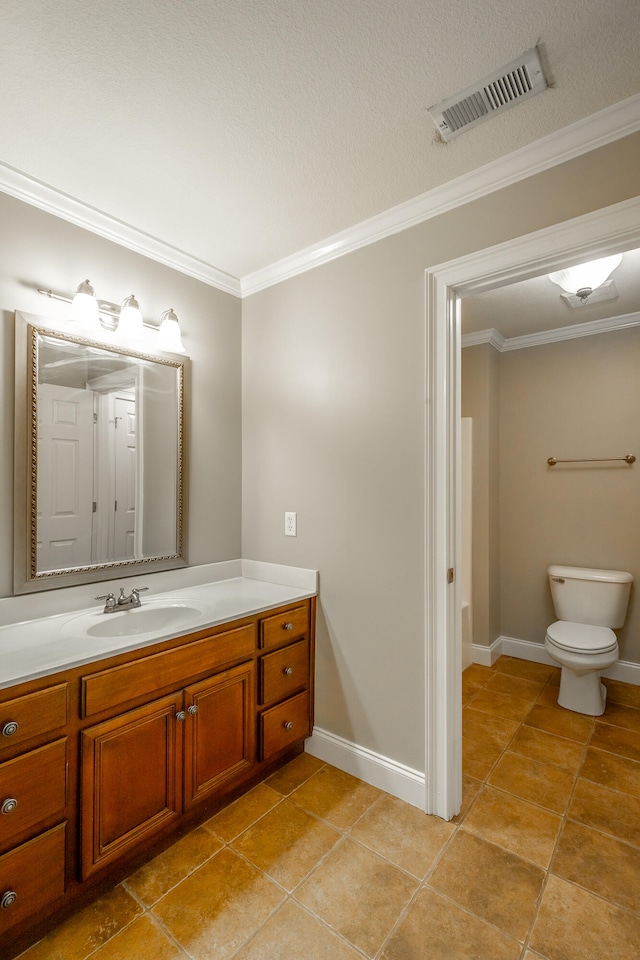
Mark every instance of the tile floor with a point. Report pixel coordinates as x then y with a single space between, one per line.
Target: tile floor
543 860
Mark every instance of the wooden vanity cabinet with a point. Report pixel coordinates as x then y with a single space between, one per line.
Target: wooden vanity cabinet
107 760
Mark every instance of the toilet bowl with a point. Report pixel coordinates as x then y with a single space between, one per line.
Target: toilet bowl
589 603
583 652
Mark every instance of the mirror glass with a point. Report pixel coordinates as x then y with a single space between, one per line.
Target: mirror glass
103 460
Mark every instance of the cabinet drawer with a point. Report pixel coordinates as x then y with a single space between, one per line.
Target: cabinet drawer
282 725
284 627
32 715
171 668
284 672
31 876
32 789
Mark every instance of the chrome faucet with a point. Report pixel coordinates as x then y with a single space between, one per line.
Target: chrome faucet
122 603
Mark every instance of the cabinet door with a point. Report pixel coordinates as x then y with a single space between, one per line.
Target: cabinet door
131 780
220 743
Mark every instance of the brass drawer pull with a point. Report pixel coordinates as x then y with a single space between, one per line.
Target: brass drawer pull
10 727
288 671
287 625
288 724
9 897
9 805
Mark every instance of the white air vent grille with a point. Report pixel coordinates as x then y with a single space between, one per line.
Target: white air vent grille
518 80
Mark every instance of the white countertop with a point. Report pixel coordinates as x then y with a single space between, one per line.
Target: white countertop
43 646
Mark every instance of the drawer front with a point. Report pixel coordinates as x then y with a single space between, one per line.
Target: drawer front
283 725
32 715
32 789
31 876
284 627
171 668
284 672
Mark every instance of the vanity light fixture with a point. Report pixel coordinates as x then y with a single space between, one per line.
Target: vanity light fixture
103 320
584 278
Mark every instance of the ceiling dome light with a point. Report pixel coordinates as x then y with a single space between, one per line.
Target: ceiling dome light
130 320
584 278
169 338
84 307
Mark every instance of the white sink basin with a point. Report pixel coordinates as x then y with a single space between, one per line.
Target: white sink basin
154 616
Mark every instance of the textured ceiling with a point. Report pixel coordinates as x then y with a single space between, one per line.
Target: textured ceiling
243 131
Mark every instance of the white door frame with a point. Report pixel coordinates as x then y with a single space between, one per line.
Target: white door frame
605 231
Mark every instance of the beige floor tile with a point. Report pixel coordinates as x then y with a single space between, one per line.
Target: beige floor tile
90 928
622 716
602 864
525 669
496 731
493 883
532 780
573 924
548 748
293 774
239 815
624 693
608 810
358 894
142 941
501 704
619 773
518 687
287 843
434 928
564 723
519 826
219 907
335 796
293 934
403 834
479 758
157 877
626 743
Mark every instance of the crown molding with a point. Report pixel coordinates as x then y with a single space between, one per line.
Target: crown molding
575 331
595 131
612 123
41 195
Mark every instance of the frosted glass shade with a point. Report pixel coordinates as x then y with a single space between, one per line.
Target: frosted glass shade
169 338
130 320
586 276
84 307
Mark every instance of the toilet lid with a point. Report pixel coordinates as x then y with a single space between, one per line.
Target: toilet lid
581 637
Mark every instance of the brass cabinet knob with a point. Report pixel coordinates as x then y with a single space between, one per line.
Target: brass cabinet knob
288 671
288 725
181 716
9 805
9 897
287 626
193 709
10 727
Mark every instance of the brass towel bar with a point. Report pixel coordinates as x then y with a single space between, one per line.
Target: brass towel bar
628 459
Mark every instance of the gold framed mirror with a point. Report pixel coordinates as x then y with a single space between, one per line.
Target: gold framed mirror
99 456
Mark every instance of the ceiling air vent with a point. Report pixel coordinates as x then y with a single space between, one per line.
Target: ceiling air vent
518 80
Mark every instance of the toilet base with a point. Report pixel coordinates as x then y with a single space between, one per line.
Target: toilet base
582 692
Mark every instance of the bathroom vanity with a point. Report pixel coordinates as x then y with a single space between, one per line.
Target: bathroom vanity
105 759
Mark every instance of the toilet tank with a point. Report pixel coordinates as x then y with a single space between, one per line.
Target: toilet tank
585 595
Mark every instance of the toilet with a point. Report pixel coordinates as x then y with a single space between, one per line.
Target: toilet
590 605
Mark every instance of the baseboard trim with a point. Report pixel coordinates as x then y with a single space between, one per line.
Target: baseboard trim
623 670
379 771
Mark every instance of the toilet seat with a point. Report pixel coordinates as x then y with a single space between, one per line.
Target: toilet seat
581 637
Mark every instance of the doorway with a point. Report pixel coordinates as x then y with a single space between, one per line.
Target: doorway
615 228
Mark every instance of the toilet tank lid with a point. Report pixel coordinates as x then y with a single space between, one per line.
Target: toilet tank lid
589 573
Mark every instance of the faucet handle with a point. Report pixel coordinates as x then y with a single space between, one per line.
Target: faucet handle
107 596
137 590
